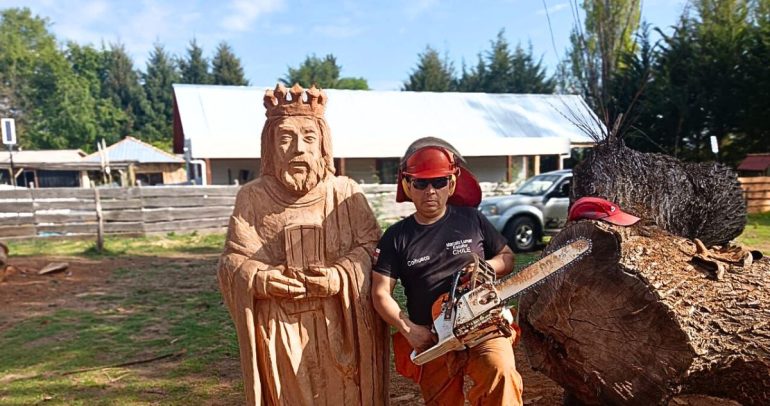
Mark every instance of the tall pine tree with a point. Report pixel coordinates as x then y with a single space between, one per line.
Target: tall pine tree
432 74
161 74
121 85
226 67
527 75
324 73
195 68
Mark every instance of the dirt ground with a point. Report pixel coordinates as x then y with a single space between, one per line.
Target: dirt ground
24 294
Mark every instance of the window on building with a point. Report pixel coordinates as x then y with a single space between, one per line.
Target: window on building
387 169
150 178
58 178
549 163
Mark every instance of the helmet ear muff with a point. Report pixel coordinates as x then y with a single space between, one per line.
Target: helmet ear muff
405 187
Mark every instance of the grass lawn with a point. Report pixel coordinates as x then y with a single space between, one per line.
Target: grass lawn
757 232
157 297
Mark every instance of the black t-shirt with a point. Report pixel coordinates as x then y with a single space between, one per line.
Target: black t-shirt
424 257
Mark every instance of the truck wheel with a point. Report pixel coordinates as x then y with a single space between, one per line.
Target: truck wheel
522 234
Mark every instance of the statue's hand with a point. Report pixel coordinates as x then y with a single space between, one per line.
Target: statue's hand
322 281
272 283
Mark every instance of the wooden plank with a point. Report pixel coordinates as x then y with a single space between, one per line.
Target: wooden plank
187 225
16 194
124 227
61 193
754 179
187 202
122 215
170 191
83 228
120 193
176 214
121 204
65 218
17 207
18 231
756 187
17 221
757 195
757 203
82 205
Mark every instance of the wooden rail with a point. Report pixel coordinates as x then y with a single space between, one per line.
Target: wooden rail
26 213
756 190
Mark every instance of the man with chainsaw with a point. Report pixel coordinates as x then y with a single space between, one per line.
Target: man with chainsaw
425 251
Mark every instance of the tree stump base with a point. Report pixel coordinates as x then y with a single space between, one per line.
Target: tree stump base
646 319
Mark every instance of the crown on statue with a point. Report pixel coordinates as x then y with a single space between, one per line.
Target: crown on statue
283 102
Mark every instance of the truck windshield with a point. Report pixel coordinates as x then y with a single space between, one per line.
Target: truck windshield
537 185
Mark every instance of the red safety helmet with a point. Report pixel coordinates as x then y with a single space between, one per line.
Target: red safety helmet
432 157
430 162
596 208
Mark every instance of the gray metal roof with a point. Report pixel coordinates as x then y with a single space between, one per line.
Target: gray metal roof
131 149
226 121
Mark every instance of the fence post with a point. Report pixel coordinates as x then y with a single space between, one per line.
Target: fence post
100 222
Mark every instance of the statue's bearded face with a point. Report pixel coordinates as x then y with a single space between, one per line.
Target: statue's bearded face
299 160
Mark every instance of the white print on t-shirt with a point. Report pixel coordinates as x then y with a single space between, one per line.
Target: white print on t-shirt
417 261
460 246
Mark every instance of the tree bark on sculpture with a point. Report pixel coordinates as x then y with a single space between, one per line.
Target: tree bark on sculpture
649 316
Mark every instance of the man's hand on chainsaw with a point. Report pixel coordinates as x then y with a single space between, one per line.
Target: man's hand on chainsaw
419 337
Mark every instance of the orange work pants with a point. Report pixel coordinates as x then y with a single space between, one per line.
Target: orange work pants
490 365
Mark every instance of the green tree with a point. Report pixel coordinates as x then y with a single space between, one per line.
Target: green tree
324 73
471 80
28 56
195 68
120 84
160 75
89 64
501 71
528 76
432 74
226 67
597 48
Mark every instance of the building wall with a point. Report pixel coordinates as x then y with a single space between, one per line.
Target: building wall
362 170
172 173
242 170
488 168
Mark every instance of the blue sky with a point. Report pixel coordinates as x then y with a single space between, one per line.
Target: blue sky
378 40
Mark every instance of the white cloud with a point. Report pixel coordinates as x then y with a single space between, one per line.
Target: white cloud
553 9
245 12
416 7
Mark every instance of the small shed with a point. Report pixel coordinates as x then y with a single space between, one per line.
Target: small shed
150 165
755 165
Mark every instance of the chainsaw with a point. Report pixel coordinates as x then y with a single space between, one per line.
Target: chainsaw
475 308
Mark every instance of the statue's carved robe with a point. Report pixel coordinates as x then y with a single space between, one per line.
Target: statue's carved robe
315 351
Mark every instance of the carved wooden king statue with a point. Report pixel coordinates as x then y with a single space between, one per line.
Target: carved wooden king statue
295 272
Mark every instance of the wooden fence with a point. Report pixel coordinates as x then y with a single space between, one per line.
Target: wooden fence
756 190
26 213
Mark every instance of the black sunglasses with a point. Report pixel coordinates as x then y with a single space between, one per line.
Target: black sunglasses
437 183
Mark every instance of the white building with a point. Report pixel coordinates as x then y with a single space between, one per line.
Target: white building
504 137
